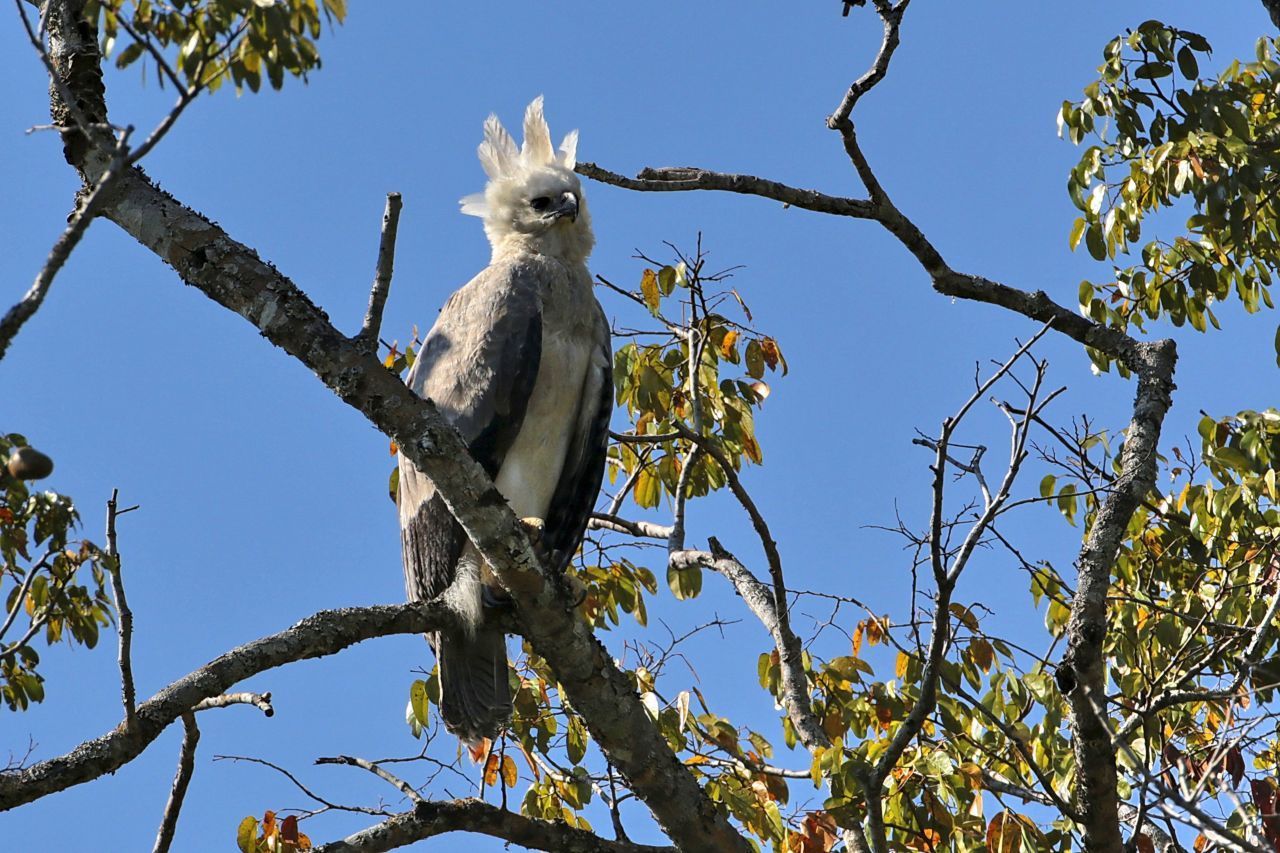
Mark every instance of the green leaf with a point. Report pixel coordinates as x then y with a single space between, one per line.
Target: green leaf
1187 63
1095 242
1077 231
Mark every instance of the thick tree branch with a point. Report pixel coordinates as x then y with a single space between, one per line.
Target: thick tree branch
429 819
235 277
1082 673
186 767
325 633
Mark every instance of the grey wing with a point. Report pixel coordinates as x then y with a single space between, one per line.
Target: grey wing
579 484
478 364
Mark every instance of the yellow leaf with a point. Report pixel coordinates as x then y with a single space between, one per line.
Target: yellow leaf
981 653
649 289
509 775
904 661
726 345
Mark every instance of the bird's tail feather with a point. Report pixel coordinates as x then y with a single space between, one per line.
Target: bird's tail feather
475 697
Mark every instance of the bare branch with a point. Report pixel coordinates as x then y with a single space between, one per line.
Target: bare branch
30 303
760 600
429 819
123 613
326 804
403 786
891 16
685 179
325 633
368 334
618 524
261 701
186 766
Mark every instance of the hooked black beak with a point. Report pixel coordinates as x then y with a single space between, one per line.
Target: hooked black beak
568 207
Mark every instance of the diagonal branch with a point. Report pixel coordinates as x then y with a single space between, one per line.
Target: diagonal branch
325 633
233 275
186 767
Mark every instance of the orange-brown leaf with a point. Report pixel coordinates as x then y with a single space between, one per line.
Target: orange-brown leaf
491 767
509 774
1004 833
769 349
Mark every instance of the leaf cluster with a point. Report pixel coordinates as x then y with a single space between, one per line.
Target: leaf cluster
52 587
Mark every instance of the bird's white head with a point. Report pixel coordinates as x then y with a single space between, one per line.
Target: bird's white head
533 201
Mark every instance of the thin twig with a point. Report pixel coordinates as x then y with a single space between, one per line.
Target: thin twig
303 788
403 786
123 613
16 316
367 337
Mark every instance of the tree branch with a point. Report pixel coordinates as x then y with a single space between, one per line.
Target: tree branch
891 16
325 633
186 767
351 761
261 701
368 334
687 178
429 819
84 214
123 613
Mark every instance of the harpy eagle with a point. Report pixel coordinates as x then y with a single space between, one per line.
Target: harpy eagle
519 362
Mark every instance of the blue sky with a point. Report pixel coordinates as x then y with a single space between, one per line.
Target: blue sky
264 497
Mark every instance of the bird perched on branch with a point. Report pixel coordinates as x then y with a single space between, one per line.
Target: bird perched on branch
519 362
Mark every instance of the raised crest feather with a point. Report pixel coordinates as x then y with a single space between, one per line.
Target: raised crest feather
569 150
498 154
537 149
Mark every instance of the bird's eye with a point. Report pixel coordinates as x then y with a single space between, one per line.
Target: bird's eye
540 203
